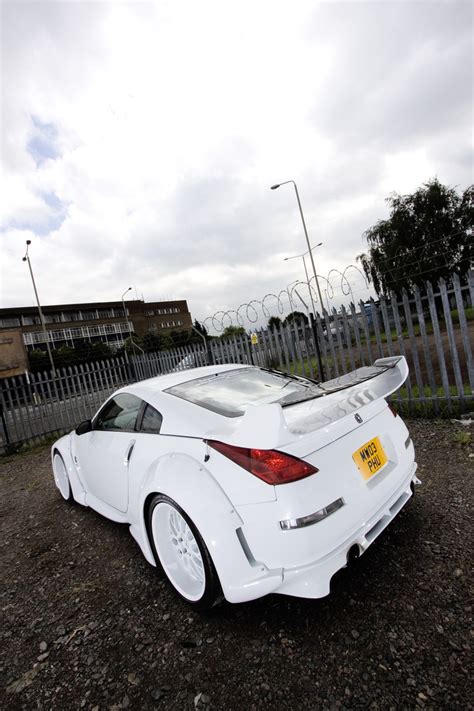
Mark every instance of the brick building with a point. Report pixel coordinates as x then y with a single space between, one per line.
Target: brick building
68 324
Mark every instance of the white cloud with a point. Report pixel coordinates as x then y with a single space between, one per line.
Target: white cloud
173 119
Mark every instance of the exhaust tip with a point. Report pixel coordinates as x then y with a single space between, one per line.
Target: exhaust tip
353 553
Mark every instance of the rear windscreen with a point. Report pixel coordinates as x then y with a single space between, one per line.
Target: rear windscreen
230 392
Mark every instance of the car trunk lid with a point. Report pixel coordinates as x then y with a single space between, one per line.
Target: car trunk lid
305 426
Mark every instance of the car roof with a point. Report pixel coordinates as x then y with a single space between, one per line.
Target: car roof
181 417
151 386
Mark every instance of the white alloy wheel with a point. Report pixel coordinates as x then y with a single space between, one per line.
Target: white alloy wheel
61 478
178 551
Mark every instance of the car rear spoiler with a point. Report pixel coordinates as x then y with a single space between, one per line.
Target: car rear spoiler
270 426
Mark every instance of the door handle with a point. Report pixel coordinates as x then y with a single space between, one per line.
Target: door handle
128 453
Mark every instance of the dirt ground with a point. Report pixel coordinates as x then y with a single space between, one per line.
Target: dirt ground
88 623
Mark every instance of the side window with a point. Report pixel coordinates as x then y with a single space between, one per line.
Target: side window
151 421
120 413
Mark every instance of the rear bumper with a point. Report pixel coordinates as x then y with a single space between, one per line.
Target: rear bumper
313 580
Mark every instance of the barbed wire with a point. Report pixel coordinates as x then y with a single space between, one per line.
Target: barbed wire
255 309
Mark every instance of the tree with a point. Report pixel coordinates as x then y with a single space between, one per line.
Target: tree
101 351
83 351
65 356
38 360
428 235
233 331
296 317
184 338
199 327
129 346
274 322
152 342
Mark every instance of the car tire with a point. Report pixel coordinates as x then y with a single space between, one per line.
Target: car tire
61 478
181 553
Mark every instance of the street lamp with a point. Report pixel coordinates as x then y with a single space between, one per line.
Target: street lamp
26 258
126 315
350 289
306 271
274 187
327 298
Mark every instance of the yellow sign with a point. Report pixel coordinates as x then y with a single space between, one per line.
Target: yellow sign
254 339
370 458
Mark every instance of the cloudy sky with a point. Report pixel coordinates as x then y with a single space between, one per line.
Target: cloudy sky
139 139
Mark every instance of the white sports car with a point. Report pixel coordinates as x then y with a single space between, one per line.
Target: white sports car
239 481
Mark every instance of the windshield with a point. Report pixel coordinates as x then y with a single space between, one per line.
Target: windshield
230 393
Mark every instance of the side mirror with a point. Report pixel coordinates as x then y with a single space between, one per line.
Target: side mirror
84 427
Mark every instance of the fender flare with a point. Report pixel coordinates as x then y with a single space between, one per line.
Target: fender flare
63 447
192 486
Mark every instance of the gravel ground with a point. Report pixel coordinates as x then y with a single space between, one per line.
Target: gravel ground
88 623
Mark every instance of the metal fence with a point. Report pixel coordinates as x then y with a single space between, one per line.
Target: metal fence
432 327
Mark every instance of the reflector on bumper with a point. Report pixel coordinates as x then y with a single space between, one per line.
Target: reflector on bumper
290 523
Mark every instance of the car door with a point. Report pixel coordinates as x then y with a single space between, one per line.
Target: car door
104 454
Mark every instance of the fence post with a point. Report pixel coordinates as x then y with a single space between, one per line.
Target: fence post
426 349
321 376
439 345
464 330
413 347
5 435
348 337
451 340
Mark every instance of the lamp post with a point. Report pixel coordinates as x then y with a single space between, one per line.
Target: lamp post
306 272
274 187
26 258
350 289
313 321
126 317
327 298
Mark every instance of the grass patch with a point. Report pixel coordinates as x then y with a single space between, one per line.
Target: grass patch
427 391
462 438
433 404
469 313
21 448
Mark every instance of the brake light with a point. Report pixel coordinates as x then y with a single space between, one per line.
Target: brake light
271 466
392 409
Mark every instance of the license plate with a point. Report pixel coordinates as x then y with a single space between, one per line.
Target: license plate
370 458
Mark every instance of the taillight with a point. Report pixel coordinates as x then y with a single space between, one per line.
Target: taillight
392 409
267 464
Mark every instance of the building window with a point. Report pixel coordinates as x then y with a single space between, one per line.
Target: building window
52 318
9 322
149 312
30 320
